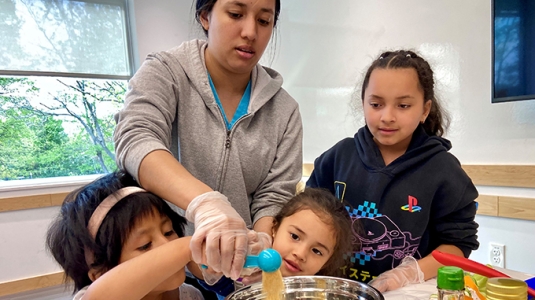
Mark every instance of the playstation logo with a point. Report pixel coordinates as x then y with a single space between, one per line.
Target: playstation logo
412 205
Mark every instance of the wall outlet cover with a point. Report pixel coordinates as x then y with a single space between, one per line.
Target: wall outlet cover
497 255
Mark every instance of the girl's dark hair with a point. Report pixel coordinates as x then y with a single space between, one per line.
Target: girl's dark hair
331 211
202 6
437 121
68 235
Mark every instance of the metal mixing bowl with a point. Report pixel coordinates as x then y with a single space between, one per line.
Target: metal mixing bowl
313 287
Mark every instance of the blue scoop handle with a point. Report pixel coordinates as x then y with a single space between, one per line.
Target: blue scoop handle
268 260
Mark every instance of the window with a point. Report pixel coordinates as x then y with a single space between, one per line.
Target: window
64 67
513 50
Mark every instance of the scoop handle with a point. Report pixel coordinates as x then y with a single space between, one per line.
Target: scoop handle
267 260
251 261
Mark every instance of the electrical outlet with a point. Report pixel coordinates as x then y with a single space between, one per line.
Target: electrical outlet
497 255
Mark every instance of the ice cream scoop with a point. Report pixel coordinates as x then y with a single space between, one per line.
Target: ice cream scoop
268 260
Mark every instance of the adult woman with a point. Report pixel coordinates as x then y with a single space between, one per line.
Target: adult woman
206 117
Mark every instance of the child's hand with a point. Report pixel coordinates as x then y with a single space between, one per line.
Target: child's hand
406 273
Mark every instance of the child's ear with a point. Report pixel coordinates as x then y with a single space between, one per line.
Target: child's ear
427 110
94 274
274 230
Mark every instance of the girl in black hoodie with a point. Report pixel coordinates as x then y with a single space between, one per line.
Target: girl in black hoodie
398 180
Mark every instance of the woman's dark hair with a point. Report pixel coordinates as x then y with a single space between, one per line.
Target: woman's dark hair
437 121
205 6
68 237
331 211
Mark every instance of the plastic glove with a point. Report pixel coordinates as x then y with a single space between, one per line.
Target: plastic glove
258 241
222 229
406 273
253 278
210 276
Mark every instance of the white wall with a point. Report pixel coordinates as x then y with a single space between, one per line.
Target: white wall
22 233
23 251
322 48
162 24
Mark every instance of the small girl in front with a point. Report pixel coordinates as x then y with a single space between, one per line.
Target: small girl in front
398 178
118 241
309 233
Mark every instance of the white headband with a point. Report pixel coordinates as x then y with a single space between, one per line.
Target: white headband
100 213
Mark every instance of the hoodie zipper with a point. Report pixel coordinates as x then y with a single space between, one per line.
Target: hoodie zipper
228 142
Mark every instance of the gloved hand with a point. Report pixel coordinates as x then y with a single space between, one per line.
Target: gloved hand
210 276
253 278
407 272
222 229
258 241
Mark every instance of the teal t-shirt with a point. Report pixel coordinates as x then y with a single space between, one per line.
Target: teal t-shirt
242 107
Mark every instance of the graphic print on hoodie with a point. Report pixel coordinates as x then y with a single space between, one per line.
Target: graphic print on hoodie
419 201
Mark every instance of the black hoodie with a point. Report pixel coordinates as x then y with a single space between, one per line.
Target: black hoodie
421 200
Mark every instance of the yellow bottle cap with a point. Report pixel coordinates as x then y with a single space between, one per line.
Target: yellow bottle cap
506 288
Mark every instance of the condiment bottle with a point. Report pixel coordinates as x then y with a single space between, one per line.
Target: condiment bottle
450 283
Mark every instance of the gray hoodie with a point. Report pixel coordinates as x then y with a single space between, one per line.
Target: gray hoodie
170 106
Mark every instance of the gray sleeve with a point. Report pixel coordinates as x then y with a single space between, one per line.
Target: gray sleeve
286 171
144 124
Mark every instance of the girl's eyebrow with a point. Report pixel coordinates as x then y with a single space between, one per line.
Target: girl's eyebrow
142 231
325 247
373 96
298 229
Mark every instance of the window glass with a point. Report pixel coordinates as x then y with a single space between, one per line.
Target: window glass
51 127
514 50
64 36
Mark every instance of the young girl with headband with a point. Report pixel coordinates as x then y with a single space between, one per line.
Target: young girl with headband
118 241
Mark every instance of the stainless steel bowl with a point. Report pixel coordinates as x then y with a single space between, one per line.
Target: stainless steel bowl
313 287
